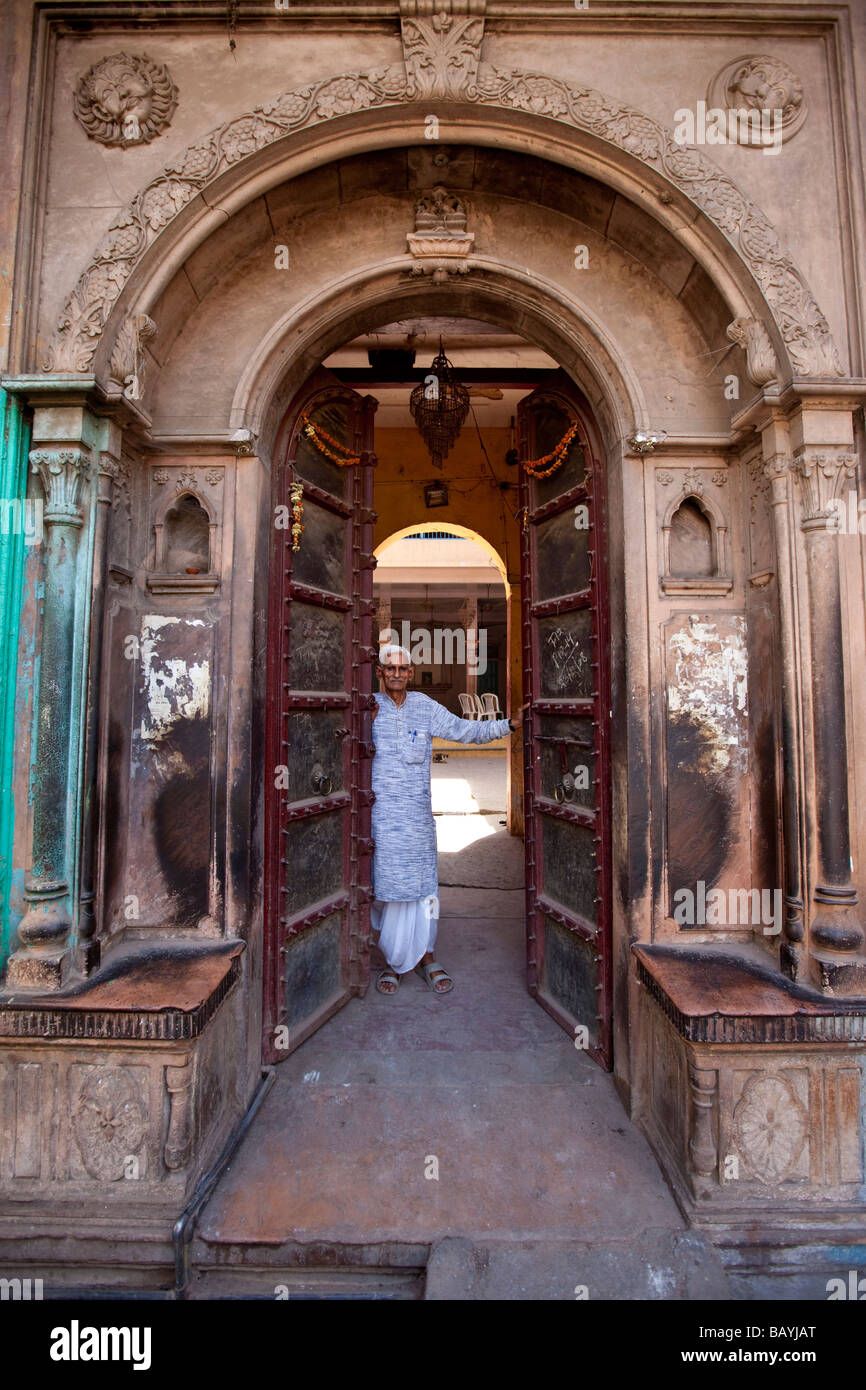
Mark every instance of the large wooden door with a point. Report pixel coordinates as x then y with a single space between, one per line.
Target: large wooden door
318 725
565 654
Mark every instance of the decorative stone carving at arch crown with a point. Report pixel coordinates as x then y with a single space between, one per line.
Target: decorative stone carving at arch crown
439 60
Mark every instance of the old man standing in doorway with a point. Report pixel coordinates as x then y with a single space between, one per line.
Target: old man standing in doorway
405 871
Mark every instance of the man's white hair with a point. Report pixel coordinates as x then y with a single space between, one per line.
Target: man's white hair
392 650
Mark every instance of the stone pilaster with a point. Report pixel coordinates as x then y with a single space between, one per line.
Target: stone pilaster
792 946
107 469
836 934
42 961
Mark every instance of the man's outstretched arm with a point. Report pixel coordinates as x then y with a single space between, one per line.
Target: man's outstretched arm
450 726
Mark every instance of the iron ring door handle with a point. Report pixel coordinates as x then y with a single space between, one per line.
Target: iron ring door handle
321 783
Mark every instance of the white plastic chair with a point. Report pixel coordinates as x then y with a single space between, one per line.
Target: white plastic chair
491 706
467 706
481 711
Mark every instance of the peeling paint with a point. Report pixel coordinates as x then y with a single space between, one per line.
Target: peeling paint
710 685
173 688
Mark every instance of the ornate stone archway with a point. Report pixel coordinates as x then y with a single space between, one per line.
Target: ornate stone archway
442 65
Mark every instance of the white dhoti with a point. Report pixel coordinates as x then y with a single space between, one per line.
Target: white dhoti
407 931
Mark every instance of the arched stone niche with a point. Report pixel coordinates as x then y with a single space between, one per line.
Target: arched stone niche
186 529
695 556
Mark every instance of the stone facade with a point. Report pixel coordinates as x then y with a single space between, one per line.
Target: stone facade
198 247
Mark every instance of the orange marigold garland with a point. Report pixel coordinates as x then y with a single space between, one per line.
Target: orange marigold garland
539 468
322 440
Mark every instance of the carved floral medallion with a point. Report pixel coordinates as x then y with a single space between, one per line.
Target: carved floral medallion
771 1126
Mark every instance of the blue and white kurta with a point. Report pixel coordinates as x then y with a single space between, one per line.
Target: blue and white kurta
403 828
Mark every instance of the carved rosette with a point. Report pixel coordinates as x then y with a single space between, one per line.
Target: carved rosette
62 472
753 338
125 99
802 326
108 1122
821 476
762 84
770 1126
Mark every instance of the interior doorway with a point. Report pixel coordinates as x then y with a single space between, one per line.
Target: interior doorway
349 464
441 593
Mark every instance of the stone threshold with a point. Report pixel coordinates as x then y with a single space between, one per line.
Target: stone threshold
154 994
712 996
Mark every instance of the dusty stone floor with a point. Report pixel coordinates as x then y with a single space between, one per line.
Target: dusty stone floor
544 1186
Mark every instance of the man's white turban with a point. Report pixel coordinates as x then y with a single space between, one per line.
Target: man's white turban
386 653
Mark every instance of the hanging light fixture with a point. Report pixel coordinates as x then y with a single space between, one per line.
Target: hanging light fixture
439 405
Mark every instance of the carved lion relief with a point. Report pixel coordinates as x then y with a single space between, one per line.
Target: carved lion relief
763 84
125 100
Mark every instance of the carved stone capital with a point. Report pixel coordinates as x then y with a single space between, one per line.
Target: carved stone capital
62 472
442 46
753 338
821 475
778 470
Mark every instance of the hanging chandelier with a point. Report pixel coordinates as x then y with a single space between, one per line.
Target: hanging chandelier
439 405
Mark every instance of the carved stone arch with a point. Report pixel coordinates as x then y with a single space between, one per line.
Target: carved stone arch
720 579
547 106
301 338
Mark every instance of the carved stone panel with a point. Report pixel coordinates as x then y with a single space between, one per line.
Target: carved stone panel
108 1105
771 1124
762 543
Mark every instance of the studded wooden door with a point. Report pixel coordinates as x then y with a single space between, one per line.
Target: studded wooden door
318 725
565 654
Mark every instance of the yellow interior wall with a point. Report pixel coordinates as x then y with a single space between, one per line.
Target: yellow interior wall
474 502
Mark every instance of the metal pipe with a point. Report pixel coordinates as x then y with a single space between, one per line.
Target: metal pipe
184 1227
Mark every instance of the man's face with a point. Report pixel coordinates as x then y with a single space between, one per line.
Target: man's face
395 675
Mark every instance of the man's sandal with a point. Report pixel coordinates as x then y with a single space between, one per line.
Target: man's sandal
434 968
388 977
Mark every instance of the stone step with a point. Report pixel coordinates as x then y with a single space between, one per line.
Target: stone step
659 1266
